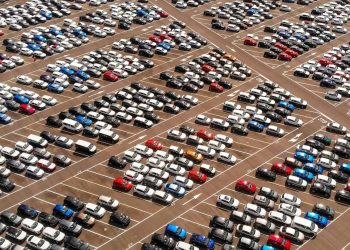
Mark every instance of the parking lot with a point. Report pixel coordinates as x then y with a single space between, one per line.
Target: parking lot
89 176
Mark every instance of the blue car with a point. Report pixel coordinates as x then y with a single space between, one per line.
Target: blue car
62 211
202 241
318 219
27 211
176 231
33 46
46 14
175 189
313 168
83 120
284 34
164 45
345 168
79 33
66 71
255 126
303 157
286 105
267 247
141 13
300 37
5 119
252 11
55 32
20 99
39 38
81 74
55 88
303 174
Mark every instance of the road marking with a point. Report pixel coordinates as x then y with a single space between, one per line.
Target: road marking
234 93
193 198
141 137
295 138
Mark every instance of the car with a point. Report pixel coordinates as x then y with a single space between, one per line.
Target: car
84 220
289 210
264 225
245 186
220 235
47 219
290 199
248 231
175 231
324 210
26 109
62 211
337 128
26 211
321 189
32 226
176 135
16 234
75 243
120 218
321 221
175 189
122 184
279 242
10 218
279 218
37 243
303 157
163 241
70 227
328 181
302 173
281 169
202 241
339 176
254 210
61 160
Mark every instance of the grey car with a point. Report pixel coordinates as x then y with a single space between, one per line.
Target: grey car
70 227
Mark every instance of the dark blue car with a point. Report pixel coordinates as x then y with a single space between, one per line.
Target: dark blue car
202 241
27 211
345 168
255 126
62 211
81 74
55 88
55 32
20 99
176 231
314 168
47 78
5 119
66 71
39 38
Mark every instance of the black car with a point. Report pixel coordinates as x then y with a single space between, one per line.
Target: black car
342 196
120 219
63 115
74 243
51 138
220 235
218 26
190 88
270 29
343 152
163 241
171 108
146 53
100 103
10 218
148 246
173 83
264 44
12 105
265 173
12 48
324 210
187 130
6 185
61 160
147 63
73 203
221 222
315 144
323 139
53 121
116 162
48 219
87 107
239 129
152 117
338 176
123 26
90 132
182 104
320 189
15 166
282 112
112 121
77 111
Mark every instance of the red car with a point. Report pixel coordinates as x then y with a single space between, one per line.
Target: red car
110 76
347 187
245 186
163 14
205 135
153 144
155 39
122 184
281 46
250 41
26 108
324 61
292 53
284 57
197 176
207 68
280 168
215 87
165 36
279 242
1 33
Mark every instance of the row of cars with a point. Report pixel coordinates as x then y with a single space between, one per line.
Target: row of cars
289 40
83 215
330 71
184 4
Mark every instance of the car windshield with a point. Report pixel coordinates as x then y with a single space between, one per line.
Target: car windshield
34 225
41 242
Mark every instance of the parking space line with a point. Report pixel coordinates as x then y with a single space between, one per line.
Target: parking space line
192 221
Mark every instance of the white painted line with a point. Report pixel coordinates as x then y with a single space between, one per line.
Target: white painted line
193 198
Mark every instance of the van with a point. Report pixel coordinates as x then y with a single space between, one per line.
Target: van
72 125
108 136
37 141
304 225
85 147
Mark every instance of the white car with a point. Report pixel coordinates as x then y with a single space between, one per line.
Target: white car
139 168
143 191
6 95
326 180
39 105
108 202
279 218
31 95
228 141
4 172
53 235
155 163
38 243
163 197
176 135
183 182
5 244
292 234
102 125
175 169
159 173
26 80
155 103
49 100
190 99
95 116
235 119
282 92
290 199
24 147
227 201
10 152
254 210
227 158
293 121
262 119
32 226
216 145
326 163
289 209
95 210
35 172
80 88
164 156
143 150
202 119
241 113
181 245
133 176
132 156
248 231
